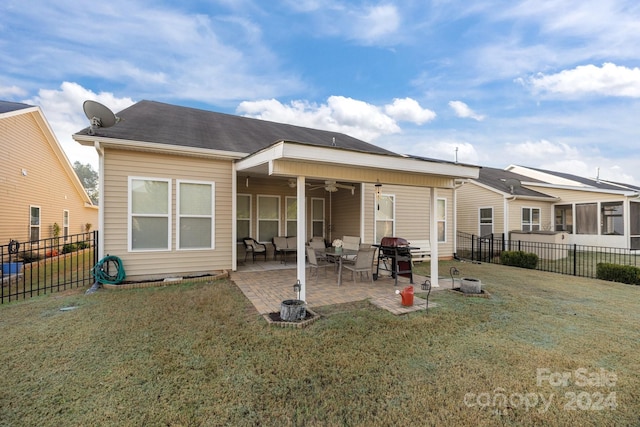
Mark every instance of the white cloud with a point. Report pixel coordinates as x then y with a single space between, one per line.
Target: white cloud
542 150
608 80
11 92
63 110
342 114
462 110
377 23
408 110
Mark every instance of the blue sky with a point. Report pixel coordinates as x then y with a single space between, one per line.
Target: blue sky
548 84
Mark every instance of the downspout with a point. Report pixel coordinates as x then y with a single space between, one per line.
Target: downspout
234 217
456 185
362 197
433 236
100 150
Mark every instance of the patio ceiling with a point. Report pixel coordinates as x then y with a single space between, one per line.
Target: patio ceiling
291 159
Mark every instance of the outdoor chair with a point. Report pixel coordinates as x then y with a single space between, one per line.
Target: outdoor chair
317 243
315 263
350 243
362 264
254 247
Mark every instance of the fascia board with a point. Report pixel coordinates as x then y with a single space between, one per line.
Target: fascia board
582 189
301 152
126 144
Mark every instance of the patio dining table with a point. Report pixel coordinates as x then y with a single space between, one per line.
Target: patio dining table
337 256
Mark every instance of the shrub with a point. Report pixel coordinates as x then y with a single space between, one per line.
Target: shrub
519 259
618 273
69 247
30 256
83 245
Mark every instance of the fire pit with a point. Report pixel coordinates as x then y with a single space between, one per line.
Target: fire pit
470 285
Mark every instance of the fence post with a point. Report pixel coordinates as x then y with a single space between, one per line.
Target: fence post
473 250
575 259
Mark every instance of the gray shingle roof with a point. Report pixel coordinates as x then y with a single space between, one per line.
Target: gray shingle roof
497 178
599 184
8 106
156 122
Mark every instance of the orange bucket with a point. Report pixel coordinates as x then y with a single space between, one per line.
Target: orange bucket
407 296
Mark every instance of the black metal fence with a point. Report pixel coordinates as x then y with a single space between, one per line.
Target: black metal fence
571 259
49 265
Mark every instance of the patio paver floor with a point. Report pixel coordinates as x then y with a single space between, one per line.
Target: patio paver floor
267 284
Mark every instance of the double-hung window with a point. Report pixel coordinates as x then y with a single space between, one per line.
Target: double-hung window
486 222
317 217
243 216
268 217
149 214
292 216
34 223
530 219
385 216
441 217
195 215
65 224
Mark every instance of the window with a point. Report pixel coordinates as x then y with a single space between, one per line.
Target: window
149 214
243 216
486 221
612 218
292 215
195 215
634 214
530 219
34 223
268 217
385 216
65 224
564 218
442 219
317 217
587 218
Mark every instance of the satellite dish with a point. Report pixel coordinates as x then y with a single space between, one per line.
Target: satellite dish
513 184
99 116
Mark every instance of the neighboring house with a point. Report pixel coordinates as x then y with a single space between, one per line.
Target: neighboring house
180 188
38 186
591 212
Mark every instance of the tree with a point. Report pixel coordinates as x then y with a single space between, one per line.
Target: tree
89 179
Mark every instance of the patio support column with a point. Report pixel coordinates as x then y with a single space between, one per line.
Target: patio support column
433 234
301 237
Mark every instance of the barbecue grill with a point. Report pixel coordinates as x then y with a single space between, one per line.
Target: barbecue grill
394 255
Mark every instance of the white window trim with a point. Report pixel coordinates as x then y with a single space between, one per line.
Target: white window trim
245 219
286 213
531 224
480 219
130 214
442 220
211 216
279 220
38 226
375 214
314 220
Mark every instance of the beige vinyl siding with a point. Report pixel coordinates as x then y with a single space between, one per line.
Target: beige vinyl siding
470 198
573 196
412 214
346 213
26 144
138 264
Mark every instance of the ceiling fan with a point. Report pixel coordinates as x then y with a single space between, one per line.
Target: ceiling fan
333 186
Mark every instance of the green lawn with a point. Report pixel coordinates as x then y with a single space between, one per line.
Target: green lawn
561 350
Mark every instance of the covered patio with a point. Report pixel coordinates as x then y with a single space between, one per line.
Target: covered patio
413 206
267 284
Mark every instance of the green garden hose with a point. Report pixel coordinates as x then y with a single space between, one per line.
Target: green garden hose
102 270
